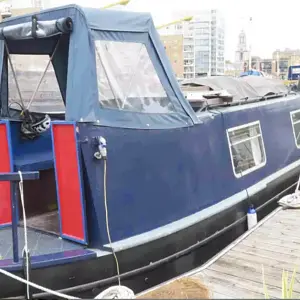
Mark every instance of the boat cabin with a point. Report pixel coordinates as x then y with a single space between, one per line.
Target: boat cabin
76 66
88 99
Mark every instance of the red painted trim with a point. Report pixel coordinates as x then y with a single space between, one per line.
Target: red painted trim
68 182
5 167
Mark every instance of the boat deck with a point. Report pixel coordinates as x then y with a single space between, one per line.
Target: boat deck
39 243
236 272
48 222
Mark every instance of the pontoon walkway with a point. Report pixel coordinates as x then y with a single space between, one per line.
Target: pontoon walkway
236 272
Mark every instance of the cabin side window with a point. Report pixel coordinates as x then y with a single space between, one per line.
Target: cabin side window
246 148
29 70
295 118
127 79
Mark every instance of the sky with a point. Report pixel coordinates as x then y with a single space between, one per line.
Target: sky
274 26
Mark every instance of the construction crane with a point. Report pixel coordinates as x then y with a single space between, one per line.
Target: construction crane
122 2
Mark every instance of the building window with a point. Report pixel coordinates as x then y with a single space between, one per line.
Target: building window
242 39
246 148
202 42
295 118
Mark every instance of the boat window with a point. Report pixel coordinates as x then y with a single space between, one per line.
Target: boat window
246 148
127 79
295 118
29 70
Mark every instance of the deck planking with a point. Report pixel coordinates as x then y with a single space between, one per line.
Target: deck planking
236 272
275 245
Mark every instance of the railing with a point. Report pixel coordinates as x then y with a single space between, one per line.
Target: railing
14 177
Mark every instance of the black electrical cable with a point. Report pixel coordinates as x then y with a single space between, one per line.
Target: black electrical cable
95 284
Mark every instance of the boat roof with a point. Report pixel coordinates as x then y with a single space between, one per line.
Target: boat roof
88 26
94 18
241 88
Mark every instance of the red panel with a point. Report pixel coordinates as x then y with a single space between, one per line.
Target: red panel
68 181
5 167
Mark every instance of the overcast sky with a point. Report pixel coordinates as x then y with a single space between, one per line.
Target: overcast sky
273 25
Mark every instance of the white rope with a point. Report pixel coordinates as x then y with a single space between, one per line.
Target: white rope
116 292
291 200
25 249
298 184
13 276
106 221
112 292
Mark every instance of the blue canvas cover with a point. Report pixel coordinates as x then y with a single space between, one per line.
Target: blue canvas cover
116 72
251 72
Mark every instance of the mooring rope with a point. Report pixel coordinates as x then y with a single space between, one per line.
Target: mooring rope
106 221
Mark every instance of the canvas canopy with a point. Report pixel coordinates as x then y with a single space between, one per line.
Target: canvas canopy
249 87
110 66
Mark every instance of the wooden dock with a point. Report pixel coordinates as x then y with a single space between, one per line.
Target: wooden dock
236 272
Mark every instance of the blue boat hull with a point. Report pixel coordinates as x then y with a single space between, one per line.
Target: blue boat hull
173 200
173 195
170 256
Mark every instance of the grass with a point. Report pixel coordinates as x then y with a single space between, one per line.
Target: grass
286 286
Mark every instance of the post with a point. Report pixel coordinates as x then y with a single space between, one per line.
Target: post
14 221
14 177
250 59
278 64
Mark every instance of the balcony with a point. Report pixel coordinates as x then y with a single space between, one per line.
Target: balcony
188 48
188 55
188 62
188 42
188 76
188 70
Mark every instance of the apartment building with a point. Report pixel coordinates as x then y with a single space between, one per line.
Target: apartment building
283 59
22 7
203 43
174 47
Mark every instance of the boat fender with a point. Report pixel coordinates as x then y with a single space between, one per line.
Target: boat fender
116 292
251 217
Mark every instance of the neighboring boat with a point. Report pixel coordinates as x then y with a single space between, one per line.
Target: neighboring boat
178 175
252 73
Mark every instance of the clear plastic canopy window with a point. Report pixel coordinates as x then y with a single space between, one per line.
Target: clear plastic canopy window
127 79
29 70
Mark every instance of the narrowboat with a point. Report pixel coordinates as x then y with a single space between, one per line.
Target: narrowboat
109 171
